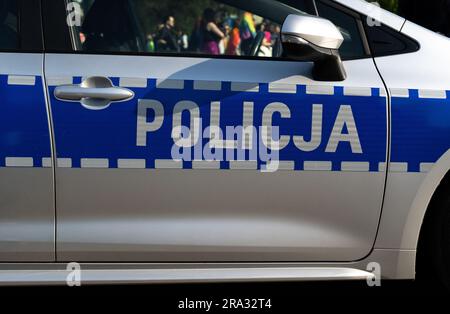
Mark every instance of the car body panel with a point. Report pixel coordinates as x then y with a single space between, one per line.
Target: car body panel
420 111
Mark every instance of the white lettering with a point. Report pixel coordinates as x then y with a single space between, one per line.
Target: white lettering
267 138
143 127
316 132
194 133
344 118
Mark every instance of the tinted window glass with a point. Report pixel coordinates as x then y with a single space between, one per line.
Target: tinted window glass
306 6
352 47
203 27
384 41
8 25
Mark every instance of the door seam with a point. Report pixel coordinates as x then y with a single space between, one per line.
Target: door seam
53 155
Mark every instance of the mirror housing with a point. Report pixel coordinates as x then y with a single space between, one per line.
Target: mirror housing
310 38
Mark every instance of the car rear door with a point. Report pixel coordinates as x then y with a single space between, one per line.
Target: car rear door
27 222
125 193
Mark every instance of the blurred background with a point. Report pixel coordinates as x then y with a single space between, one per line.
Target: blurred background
432 14
213 28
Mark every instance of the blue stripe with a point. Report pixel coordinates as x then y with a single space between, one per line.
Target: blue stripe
420 127
23 122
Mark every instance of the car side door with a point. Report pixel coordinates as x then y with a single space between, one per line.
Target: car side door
143 179
27 211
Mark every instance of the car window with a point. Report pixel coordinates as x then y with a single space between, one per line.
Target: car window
203 27
9 38
352 47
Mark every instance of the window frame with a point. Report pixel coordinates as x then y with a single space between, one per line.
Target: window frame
57 35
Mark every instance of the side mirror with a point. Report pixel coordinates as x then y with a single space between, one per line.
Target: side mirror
310 38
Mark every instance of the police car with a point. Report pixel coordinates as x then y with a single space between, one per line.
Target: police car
184 141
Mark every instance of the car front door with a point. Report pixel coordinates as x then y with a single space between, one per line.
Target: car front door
151 177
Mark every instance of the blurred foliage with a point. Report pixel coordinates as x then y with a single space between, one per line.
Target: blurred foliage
390 5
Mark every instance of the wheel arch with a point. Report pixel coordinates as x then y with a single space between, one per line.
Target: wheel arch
421 204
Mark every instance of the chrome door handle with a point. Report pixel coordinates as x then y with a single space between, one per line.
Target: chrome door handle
77 93
93 93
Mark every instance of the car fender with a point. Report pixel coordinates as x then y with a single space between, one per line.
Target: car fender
418 209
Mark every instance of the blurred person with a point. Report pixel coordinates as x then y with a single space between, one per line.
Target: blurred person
234 40
265 50
196 40
223 44
266 46
261 28
212 34
274 30
167 40
82 37
183 41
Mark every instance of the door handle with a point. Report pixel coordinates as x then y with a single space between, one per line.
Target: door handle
95 93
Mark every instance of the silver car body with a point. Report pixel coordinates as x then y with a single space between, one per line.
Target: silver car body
107 205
